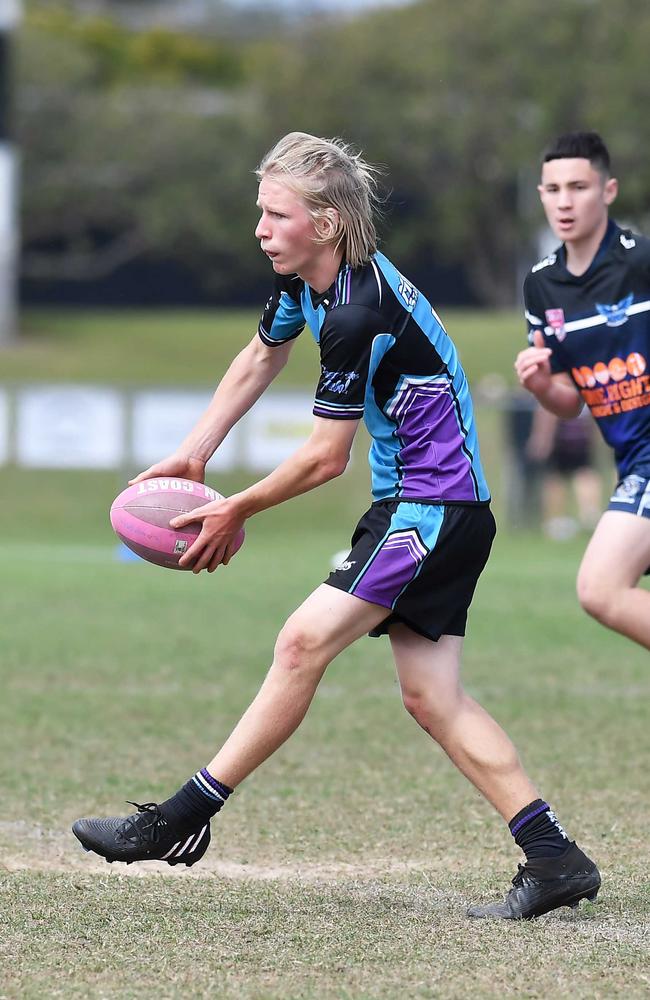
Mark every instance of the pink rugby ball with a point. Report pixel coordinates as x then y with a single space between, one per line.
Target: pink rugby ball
140 516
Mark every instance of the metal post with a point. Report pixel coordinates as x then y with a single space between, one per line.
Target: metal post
9 238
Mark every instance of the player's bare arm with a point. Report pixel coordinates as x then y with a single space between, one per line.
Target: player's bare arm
324 456
248 376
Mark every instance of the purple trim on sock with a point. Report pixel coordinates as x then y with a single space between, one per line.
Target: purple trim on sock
540 809
218 786
207 790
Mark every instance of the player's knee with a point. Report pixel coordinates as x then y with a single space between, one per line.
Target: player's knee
298 647
430 712
597 600
412 701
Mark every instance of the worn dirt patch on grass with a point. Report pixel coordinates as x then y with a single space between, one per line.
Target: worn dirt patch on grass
58 852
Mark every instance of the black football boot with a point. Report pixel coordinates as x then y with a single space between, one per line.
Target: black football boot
143 836
543 884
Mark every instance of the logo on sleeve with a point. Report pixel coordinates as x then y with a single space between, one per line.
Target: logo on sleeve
555 320
338 382
617 314
546 262
408 292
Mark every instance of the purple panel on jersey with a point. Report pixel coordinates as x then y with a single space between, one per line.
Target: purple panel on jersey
432 444
394 565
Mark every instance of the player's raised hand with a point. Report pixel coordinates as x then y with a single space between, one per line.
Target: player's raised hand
176 465
221 536
533 366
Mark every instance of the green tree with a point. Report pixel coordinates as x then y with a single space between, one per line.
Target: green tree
459 100
124 138
143 142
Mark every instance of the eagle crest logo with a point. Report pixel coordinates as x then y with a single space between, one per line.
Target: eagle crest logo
617 314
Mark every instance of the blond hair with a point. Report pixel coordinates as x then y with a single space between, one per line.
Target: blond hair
329 174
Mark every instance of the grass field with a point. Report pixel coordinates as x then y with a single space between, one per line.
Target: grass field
193 347
343 867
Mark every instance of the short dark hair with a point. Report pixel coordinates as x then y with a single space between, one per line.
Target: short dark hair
581 145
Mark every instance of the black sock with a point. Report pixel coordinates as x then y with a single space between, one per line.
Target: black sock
537 831
196 802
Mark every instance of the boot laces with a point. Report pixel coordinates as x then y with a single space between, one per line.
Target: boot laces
518 880
145 826
523 877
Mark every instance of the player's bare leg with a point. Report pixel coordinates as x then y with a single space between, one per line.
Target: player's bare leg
327 622
556 873
616 558
429 676
178 830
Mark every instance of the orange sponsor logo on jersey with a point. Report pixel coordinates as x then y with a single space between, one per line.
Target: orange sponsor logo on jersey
614 371
616 387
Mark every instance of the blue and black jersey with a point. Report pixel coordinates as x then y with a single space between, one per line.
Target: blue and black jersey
385 356
597 325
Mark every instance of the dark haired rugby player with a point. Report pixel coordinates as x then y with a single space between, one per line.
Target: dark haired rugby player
588 313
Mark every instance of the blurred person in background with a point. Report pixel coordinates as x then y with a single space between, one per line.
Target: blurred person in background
416 554
588 313
562 452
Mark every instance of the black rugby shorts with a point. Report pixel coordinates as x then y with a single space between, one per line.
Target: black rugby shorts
420 560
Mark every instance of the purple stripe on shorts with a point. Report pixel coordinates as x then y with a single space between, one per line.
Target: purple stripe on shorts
393 567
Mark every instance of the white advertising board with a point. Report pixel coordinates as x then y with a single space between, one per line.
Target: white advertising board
69 427
275 427
160 421
93 427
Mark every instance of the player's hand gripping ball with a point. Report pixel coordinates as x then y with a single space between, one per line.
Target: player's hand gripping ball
140 516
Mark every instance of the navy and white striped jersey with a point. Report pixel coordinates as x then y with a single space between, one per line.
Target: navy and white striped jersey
598 327
385 356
